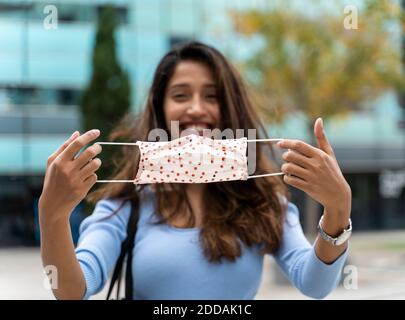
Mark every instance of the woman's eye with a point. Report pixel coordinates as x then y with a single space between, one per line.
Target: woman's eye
211 97
179 96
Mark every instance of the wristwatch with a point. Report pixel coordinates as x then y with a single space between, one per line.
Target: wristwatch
340 239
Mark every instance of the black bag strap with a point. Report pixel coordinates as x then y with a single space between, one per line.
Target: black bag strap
126 250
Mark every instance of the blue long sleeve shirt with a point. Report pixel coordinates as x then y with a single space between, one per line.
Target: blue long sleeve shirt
168 262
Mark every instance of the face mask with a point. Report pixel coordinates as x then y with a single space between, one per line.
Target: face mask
192 159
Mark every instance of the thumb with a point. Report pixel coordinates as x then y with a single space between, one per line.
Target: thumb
320 136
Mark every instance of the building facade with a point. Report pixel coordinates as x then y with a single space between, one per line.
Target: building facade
43 71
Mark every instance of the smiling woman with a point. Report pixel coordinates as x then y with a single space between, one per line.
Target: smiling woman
191 97
211 236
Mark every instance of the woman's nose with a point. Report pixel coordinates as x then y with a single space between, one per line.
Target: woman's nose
196 106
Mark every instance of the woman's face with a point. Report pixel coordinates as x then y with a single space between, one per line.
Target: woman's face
191 98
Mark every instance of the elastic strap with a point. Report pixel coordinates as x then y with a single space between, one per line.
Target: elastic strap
137 143
119 144
266 174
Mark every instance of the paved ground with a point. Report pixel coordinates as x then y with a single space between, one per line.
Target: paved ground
379 259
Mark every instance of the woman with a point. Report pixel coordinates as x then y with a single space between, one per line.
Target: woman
194 240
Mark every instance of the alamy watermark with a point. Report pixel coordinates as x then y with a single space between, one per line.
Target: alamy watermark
51 18
161 135
351 19
50 281
350 277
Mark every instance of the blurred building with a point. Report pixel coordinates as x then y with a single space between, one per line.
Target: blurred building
42 73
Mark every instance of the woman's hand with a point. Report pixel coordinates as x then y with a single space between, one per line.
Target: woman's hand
316 172
68 177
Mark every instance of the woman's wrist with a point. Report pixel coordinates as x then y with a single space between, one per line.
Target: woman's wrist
335 221
53 217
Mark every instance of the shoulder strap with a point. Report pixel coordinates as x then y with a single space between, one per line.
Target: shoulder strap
126 250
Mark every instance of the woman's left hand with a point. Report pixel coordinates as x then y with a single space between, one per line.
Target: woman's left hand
316 172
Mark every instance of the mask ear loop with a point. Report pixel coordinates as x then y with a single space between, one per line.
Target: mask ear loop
266 174
115 144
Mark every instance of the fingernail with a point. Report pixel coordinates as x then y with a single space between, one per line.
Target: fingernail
95 131
73 135
321 123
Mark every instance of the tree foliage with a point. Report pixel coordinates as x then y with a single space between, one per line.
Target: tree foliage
313 64
107 97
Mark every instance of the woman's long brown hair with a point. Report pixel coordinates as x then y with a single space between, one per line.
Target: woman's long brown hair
236 211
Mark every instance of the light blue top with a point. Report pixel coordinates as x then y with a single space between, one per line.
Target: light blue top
169 262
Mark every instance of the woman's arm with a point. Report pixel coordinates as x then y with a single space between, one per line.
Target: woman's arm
57 250
300 262
68 179
316 172
101 236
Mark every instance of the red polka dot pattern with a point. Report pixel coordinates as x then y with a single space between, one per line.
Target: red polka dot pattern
192 159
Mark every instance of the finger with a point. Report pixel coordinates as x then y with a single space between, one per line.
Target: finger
297 158
90 168
296 182
90 181
63 146
300 146
293 169
321 138
87 155
75 146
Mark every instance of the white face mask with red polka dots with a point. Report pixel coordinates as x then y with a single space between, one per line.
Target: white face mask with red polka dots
192 159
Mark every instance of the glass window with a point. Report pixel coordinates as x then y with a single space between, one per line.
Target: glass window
183 17
39 96
177 40
67 12
369 209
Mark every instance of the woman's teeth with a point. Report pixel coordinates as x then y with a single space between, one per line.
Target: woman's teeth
196 127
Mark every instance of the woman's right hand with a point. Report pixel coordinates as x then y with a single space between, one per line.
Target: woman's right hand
68 178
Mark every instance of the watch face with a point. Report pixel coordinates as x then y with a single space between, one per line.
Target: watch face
343 238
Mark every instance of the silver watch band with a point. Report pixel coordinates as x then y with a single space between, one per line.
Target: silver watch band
340 239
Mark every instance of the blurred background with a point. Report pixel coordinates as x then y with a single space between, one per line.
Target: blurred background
73 65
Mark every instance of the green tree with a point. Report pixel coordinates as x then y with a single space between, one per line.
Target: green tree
107 97
310 63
